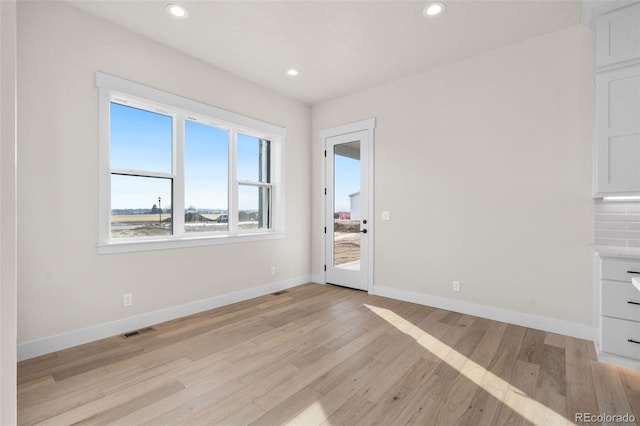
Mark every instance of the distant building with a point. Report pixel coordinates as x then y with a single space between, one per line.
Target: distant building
344 215
191 216
354 200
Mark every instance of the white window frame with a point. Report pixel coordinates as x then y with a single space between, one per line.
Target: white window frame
180 109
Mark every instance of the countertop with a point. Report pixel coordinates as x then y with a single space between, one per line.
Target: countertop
619 252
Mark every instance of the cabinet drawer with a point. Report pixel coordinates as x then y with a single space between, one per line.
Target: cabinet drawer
620 270
615 300
616 334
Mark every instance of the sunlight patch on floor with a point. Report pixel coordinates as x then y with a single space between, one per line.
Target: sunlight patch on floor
503 391
312 415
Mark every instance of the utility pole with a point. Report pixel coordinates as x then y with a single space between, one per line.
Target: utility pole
160 210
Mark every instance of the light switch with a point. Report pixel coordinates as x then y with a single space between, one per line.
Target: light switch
386 215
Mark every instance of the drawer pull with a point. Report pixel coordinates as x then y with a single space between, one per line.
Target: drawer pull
633 341
633 272
633 303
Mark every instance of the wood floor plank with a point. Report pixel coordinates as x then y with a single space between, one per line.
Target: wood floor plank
612 398
580 387
336 396
336 375
314 370
552 370
243 416
209 393
353 410
112 414
57 397
225 408
324 355
107 402
532 349
518 409
553 339
485 406
35 383
554 404
304 399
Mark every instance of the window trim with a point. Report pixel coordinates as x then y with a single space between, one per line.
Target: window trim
112 88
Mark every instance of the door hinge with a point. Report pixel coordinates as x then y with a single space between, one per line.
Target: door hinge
325 229
325 153
325 268
325 191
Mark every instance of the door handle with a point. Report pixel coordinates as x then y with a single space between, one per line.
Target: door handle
364 231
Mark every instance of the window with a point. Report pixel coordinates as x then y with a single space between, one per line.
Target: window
175 172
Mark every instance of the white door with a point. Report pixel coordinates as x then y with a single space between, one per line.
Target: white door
347 223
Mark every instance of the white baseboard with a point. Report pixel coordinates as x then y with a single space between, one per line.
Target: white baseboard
618 361
77 337
553 325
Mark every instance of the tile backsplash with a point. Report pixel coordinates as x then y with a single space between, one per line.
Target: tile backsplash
617 224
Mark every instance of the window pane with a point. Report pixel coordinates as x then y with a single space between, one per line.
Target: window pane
140 140
206 168
140 206
254 159
254 204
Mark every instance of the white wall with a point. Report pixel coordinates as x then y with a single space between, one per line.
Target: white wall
64 285
8 212
485 166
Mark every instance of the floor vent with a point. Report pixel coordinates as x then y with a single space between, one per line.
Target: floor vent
278 293
138 332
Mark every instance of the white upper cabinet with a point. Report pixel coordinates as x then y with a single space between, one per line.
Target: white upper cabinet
618 131
617 45
618 36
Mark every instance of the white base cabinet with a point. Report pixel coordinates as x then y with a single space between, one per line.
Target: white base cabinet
619 312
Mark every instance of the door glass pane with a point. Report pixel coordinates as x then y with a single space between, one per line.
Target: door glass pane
141 206
346 205
206 176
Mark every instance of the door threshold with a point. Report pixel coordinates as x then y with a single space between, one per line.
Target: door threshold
345 287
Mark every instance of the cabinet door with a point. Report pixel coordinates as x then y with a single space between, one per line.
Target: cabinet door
618 35
618 131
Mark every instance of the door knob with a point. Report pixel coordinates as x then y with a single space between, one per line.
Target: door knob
364 231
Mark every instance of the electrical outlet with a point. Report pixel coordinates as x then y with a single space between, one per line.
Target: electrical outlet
127 299
273 271
456 286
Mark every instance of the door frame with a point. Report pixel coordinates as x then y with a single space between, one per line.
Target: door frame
367 126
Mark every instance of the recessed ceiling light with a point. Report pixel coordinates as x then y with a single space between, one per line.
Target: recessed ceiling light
433 9
177 11
292 72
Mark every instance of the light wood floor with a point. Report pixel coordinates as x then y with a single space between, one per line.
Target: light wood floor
323 355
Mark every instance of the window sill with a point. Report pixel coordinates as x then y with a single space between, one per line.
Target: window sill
173 243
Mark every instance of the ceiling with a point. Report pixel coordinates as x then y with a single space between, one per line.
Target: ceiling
339 47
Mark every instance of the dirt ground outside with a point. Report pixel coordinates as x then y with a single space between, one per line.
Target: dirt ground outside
346 239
